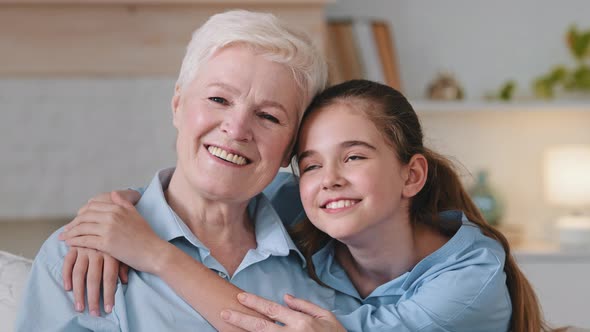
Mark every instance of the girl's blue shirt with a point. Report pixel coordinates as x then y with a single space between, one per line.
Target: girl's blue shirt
459 287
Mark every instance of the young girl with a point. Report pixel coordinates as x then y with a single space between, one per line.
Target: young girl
390 228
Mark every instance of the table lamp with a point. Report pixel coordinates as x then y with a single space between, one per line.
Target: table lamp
567 184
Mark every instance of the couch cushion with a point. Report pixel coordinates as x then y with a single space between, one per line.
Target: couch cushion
13 276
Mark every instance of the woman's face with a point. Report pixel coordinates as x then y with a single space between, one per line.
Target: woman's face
236 121
352 182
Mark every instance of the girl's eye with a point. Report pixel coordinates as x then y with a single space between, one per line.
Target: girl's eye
309 168
269 117
353 158
219 100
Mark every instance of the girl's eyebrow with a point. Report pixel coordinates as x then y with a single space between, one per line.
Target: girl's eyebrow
345 144
348 144
305 154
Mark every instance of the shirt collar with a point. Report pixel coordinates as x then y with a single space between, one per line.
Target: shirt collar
271 235
332 274
155 210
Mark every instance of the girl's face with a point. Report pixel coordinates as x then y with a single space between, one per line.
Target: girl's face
352 183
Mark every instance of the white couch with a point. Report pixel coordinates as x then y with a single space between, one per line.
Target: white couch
13 276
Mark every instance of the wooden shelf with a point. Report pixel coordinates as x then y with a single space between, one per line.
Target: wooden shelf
429 106
165 2
121 38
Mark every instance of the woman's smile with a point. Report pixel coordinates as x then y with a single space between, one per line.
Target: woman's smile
227 155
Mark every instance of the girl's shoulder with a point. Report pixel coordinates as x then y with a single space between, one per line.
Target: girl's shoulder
463 282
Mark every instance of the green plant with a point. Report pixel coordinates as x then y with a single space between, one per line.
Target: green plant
576 79
507 90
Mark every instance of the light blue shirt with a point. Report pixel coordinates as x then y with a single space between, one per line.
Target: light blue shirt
459 287
146 303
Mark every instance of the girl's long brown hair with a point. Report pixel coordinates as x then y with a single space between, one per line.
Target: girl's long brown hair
393 115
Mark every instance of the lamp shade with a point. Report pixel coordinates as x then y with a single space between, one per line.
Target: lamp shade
567 175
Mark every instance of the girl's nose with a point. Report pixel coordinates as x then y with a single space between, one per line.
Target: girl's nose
332 179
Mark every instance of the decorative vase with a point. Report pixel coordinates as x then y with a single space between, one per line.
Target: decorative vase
486 199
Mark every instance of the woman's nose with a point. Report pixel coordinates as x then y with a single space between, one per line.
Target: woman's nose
237 126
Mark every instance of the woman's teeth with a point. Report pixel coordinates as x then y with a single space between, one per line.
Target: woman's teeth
232 158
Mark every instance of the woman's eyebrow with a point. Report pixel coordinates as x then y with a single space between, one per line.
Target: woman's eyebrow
224 86
235 90
273 104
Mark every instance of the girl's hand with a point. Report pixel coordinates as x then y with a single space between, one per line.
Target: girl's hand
301 315
117 229
86 268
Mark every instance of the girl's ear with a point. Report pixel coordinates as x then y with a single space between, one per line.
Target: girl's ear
417 173
176 106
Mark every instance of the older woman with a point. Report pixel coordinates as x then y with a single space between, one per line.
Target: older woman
242 89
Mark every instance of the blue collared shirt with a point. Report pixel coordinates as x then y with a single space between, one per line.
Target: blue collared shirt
146 303
459 287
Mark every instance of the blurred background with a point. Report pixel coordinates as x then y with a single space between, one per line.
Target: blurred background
85 90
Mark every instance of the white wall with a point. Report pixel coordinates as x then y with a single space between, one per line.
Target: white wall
65 140
483 43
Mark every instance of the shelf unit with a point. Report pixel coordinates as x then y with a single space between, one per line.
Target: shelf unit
566 105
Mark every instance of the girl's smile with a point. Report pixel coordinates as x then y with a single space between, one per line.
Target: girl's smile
339 204
351 180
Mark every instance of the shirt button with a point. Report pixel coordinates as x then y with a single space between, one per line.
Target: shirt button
222 274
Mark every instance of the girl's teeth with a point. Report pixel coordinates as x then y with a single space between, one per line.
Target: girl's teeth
340 204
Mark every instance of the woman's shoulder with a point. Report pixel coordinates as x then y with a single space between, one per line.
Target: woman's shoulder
283 194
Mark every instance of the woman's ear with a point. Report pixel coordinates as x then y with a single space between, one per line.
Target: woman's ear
176 106
417 173
290 150
287 161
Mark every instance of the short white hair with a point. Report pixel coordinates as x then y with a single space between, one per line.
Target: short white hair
265 34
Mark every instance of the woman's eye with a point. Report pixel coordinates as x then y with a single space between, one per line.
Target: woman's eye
219 100
269 117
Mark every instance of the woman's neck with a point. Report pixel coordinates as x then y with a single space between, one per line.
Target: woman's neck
223 227
386 254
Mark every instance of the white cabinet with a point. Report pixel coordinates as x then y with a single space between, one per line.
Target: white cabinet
562 284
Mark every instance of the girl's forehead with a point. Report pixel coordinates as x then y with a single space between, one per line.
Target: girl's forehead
337 110
337 122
